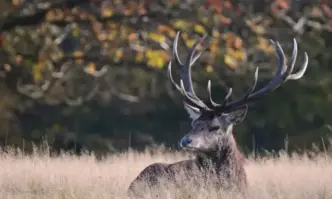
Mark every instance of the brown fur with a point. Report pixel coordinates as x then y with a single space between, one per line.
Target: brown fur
227 164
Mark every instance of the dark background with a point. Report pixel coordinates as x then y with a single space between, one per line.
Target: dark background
92 73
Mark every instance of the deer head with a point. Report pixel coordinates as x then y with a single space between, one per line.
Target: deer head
212 123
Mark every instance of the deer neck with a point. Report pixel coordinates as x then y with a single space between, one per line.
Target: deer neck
221 158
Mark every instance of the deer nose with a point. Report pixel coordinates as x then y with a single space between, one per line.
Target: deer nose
185 141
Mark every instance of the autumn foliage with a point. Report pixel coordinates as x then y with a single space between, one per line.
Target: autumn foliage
68 56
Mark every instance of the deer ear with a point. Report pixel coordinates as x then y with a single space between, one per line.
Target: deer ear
194 113
237 116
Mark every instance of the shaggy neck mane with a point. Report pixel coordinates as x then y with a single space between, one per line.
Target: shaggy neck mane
227 156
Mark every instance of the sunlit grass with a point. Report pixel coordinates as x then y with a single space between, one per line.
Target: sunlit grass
42 176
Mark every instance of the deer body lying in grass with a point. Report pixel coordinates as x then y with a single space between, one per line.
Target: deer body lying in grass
211 137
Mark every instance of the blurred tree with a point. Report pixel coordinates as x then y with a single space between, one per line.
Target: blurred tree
97 68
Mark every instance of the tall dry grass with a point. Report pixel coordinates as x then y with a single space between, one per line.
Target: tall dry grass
42 176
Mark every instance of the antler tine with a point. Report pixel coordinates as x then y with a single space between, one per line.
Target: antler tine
281 71
185 69
282 67
252 88
198 102
301 72
229 94
186 87
281 76
175 49
169 73
193 60
245 97
212 103
292 60
288 75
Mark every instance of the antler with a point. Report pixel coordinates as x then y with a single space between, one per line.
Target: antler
282 75
186 87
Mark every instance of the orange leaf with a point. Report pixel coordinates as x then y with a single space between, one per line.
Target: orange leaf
216 4
225 20
283 4
132 36
141 9
78 54
228 4
107 12
209 69
18 59
162 28
230 61
118 53
91 68
238 43
78 61
213 47
139 56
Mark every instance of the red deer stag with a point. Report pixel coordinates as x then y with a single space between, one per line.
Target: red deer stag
211 137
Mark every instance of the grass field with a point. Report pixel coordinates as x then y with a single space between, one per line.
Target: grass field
40 176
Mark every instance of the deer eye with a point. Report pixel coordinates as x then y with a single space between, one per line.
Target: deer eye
213 128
